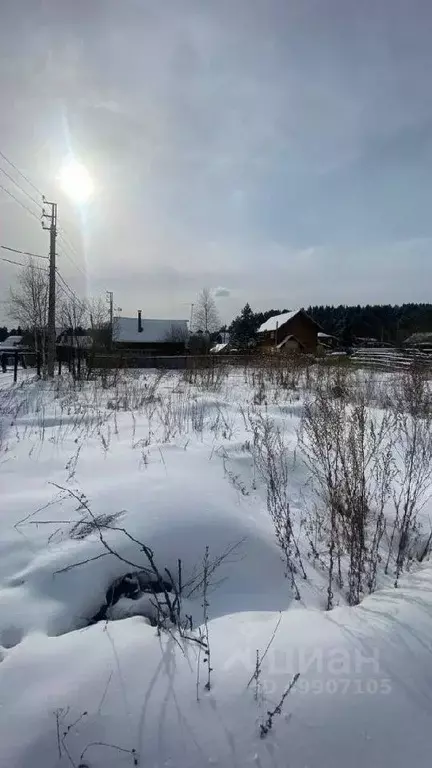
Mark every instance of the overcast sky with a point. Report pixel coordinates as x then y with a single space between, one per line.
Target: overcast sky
278 149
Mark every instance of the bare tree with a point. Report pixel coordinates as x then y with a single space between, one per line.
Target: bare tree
177 334
73 314
206 315
100 325
28 303
72 318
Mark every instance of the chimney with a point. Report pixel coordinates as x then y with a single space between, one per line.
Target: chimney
140 327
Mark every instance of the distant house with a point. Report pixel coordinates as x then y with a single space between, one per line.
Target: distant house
151 336
11 343
326 341
74 339
8 347
292 331
73 344
220 349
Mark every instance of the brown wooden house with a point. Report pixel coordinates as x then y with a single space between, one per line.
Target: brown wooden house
292 331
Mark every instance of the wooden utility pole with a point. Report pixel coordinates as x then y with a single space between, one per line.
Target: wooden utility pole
52 227
110 296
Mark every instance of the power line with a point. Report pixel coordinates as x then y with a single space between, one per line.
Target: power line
63 290
79 304
52 229
23 205
63 281
72 261
68 245
21 173
11 178
24 253
72 293
18 264
64 236
61 232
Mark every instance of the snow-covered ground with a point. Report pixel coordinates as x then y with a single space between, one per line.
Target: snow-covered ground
163 461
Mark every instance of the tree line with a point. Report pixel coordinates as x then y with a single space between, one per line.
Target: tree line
5 332
391 324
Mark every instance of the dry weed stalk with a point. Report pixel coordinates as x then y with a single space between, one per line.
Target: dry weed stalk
349 452
271 461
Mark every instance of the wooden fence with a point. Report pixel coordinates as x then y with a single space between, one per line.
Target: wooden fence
390 358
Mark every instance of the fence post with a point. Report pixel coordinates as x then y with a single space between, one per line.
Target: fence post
4 363
79 363
38 363
15 366
59 365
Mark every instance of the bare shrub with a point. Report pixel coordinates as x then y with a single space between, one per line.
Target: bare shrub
271 460
206 373
87 526
259 397
349 452
289 370
413 412
133 392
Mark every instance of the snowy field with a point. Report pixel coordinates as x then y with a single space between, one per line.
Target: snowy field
178 479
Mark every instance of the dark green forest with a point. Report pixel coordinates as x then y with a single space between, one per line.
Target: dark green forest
5 332
383 322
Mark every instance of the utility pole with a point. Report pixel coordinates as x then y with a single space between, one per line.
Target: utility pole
110 296
52 227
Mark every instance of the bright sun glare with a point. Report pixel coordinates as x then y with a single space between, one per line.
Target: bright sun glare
76 181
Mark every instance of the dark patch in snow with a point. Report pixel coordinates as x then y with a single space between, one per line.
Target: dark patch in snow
131 586
11 637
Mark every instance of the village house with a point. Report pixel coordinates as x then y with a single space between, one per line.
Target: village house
151 336
293 331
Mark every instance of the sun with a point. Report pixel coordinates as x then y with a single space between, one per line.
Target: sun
76 181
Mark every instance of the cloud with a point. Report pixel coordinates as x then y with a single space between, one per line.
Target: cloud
222 292
279 154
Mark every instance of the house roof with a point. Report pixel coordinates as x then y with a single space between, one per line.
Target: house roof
219 348
11 341
278 320
126 330
290 337
275 322
77 340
